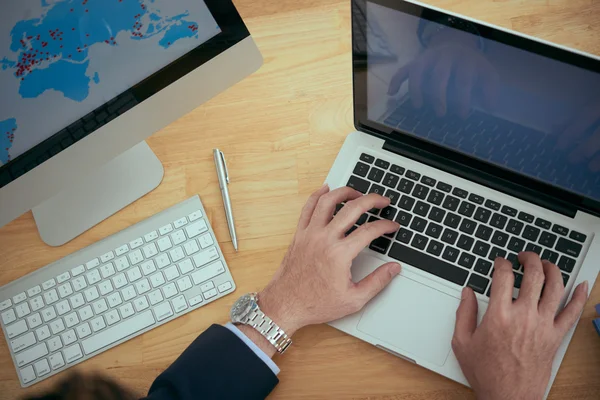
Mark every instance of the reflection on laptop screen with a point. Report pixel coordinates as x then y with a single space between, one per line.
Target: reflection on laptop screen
61 59
528 113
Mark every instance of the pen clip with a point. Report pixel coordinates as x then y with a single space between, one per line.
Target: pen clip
225 165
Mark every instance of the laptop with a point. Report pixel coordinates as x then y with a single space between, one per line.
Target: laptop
464 130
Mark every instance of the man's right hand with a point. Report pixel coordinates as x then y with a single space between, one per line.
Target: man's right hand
509 355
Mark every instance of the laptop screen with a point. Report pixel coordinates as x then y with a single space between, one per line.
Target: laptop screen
437 78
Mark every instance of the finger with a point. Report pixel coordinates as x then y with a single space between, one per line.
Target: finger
533 279
309 207
579 126
363 236
554 289
587 148
595 164
466 318
415 83
503 281
352 211
465 77
567 318
376 281
398 79
440 78
326 205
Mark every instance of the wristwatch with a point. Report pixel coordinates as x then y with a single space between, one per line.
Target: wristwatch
246 311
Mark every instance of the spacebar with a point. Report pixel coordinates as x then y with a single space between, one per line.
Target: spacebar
118 332
429 264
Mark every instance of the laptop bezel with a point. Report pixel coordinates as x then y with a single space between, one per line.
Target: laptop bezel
500 178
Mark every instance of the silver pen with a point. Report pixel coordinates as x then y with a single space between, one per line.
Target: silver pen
223 175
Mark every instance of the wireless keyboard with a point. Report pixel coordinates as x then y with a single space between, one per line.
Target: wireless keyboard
112 291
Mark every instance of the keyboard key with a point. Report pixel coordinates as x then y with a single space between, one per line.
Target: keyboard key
388 213
195 229
92 263
500 238
397 169
526 217
565 279
478 283
125 329
376 175
518 280
550 256
483 215
449 236
491 204
420 242
134 244
435 248
84 330
542 223
428 264
466 260
483 266
566 264
548 239
154 235
483 232
452 220
533 248
24 341
420 192
561 230
107 270
367 158
467 226
436 197
405 186
514 227
498 221
363 218
16 329
78 270
391 180
515 244
380 245
65 276
406 203
444 187
467 209
450 254
361 169
225 287
34 291
403 218
122 263
57 361
195 215
497 252
481 248
421 209
205 257
413 175
531 233
580 237
382 164
511 212
393 196
476 198
434 230
451 203
150 250
458 192
418 224
514 260
119 251
5 304
31 354
404 236
8 317
22 310
377 189
428 181
27 374
569 247
465 242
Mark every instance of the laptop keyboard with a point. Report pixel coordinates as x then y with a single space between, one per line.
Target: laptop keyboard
453 234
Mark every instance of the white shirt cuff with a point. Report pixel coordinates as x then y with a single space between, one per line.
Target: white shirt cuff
261 354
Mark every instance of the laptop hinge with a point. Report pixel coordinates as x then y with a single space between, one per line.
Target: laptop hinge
482 178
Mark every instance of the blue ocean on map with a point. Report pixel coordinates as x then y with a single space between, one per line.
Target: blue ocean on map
8 130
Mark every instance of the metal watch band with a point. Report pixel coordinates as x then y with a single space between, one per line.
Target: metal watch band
269 329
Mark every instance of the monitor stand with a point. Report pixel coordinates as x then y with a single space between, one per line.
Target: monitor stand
107 190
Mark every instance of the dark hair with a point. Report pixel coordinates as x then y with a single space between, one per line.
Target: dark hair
86 387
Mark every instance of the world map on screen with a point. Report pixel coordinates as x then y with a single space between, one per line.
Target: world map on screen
52 50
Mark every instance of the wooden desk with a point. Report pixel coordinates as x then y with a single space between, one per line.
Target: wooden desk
281 130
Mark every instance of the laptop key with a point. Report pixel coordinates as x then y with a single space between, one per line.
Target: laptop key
444 187
405 186
376 175
467 209
361 169
518 280
393 196
533 248
349 232
382 164
388 213
435 197
465 242
451 203
523 216
406 203
418 224
452 220
491 204
377 189
542 223
437 214
500 238
428 181
435 248
498 221
569 247
561 230
450 254
460 193
565 279
427 263
548 239
483 266
420 192
580 237
404 235
421 209
363 218
367 158
468 226
483 215
434 230
466 260
511 212
380 245
476 198
550 256
403 218
419 241
515 227
481 248
566 264
515 244
338 208
497 252
449 236
358 184
483 232
514 260
391 180
413 175
478 283
397 169
531 233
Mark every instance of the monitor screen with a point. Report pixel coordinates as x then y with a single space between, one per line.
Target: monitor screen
62 59
442 81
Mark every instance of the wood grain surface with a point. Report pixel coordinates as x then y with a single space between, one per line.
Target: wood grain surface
281 130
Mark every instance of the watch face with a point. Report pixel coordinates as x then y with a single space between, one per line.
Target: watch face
241 308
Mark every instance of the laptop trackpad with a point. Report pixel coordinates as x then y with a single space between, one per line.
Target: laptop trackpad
413 318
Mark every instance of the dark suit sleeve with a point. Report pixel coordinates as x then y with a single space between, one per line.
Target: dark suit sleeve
217 365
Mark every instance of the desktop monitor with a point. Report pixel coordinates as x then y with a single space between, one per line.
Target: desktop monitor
84 83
